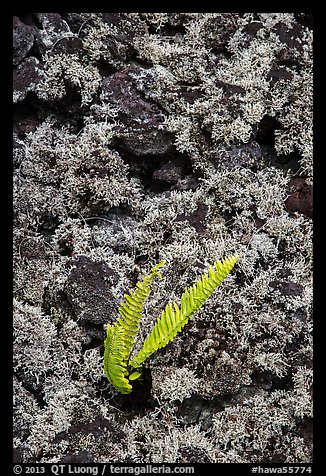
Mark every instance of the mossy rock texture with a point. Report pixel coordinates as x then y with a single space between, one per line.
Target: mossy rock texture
142 137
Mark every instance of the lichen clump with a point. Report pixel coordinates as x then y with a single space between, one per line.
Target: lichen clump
140 137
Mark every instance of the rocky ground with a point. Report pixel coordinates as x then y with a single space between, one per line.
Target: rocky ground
143 137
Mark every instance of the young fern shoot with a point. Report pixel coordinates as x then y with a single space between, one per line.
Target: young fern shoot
120 337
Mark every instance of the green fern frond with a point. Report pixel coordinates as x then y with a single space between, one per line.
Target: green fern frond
175 317
116 356
131 309
120 337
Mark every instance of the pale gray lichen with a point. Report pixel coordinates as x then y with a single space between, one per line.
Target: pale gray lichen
60 69
174 384
229 97
252 425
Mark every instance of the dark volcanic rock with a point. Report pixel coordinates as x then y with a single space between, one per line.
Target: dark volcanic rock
134 110
194 455
118 119
118 44
300 198
253 27
291 37
232 157
23 40
277 74
69 46
171 171
157 143
53 28
96 428
88 290
140 118
197 218
220 29
21 454
287 288
26 77
82 457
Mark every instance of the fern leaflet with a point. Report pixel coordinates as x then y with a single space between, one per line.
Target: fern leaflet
115 359
120 337
175 317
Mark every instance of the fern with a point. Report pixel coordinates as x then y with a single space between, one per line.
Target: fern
120 337
116 358
174 318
